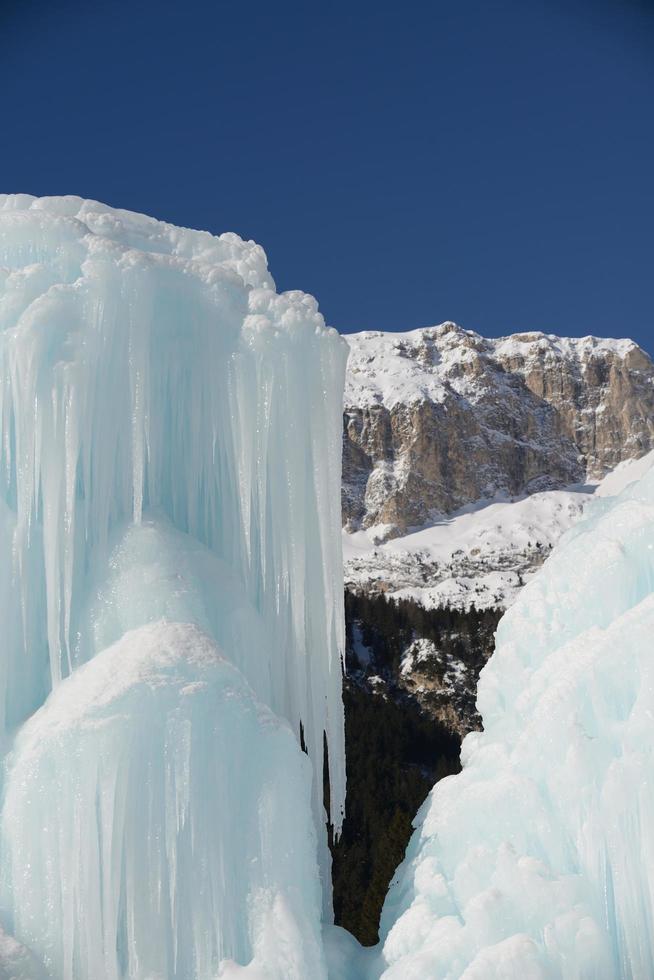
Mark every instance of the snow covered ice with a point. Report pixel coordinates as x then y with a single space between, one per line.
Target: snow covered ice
171 594
148 805
537 861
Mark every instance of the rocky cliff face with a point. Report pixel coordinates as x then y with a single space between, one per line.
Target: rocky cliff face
438 418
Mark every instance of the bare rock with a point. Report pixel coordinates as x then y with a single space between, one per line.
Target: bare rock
438 418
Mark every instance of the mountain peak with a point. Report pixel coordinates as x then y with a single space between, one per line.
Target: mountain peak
440 417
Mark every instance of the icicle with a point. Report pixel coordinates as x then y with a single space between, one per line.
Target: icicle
153 814
150 373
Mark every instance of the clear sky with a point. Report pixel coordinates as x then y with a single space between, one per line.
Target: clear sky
486 162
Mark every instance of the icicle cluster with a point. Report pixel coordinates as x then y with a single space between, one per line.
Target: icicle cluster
166 417
148 806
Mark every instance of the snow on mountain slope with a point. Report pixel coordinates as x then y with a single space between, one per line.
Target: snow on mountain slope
438 418
399 368
480 556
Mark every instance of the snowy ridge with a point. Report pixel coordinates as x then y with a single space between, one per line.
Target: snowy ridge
482 556
441 418
391 368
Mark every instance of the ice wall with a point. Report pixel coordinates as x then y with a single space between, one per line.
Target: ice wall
148 805
157 852
170 438
537 861
145 367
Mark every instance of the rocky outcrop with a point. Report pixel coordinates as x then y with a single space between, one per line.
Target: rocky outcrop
602 392
441 417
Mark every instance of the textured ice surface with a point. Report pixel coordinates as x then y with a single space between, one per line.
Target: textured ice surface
170 437
537 861
17 962
139 370
174 812
156 572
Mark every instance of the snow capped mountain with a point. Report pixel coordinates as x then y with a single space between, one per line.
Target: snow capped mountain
466 459
440 418
420 364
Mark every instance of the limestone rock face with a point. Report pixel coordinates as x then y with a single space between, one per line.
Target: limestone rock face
440 417
602 392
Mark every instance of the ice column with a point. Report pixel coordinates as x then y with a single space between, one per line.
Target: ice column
170 441
145 367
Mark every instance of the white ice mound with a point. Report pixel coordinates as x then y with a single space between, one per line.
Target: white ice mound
537 861
147 369
157 821
156 572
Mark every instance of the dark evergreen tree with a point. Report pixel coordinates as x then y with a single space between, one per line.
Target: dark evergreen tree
395 750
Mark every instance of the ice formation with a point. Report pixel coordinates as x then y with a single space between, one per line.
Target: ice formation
157 853
537 861
170 442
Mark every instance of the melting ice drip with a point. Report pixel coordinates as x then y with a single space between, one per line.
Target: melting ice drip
170 592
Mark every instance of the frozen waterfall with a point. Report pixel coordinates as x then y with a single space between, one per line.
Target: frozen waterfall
157 820
170 599
537 861
171 618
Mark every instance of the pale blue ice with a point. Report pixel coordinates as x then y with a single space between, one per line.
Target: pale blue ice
171 603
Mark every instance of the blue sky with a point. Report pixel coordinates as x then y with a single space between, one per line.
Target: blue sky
486 162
